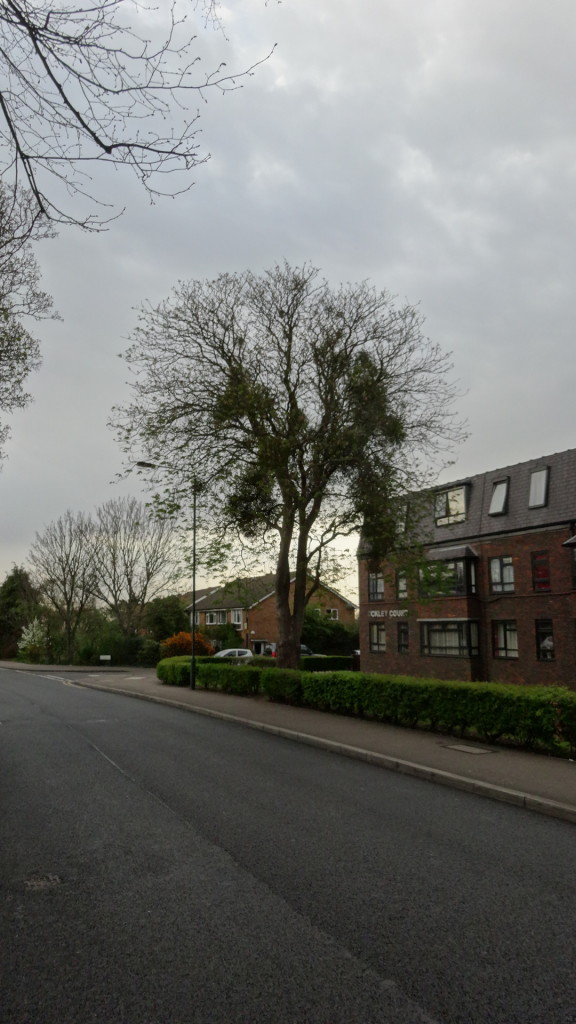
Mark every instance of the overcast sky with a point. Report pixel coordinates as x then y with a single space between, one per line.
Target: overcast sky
428 145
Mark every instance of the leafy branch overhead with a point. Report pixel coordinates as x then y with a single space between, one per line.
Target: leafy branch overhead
114 82
307 412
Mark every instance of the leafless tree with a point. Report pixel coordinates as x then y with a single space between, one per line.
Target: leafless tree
63 568
307 412
20 298
82 85
135 559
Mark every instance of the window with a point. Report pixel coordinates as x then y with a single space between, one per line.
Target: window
401 586
216 618
236 616
538 488
540 571
456 638
499 502
544 640
450 506
377 636
403 637
502 575
505 639
332 613
448 579
375 586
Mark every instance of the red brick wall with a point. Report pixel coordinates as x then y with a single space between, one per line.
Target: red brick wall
524 606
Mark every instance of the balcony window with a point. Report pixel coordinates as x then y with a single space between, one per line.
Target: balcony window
448 579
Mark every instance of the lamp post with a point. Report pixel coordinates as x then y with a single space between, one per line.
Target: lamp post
152 465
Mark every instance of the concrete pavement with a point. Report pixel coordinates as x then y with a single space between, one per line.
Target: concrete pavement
535 781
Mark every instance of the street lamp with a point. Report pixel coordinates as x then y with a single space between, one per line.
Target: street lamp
152 465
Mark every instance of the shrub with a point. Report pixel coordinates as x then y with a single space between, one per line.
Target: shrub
238 679
149 653
282 685
181 643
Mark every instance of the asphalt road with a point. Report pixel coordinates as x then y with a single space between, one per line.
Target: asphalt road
159 867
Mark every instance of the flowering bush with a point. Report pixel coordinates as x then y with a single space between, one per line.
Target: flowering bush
181 643
32 643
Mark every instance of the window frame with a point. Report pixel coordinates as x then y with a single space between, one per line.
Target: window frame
502 586
401 586
540 560
377 637
459 582
501 648
544 628
500 507
448 497
236 616
538 495
402 637
376 593
466 631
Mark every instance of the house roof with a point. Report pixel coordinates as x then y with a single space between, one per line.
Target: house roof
245 593
559 506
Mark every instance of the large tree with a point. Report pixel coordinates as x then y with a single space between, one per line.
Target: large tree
136 560
19 605
63 564
304 410
105 82
21 299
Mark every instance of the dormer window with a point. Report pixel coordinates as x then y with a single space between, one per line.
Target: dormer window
538 488
499 502
450 506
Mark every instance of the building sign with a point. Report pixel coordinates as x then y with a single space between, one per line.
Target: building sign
388 613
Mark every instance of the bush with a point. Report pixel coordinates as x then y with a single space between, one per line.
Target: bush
282 685
239 679
181 643
149 653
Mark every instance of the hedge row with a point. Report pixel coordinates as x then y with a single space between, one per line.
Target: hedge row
543 717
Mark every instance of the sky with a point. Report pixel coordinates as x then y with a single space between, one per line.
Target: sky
428 146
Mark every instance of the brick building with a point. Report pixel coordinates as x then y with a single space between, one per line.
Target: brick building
250 606
494 595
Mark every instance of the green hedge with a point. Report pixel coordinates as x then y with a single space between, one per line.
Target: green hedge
543 717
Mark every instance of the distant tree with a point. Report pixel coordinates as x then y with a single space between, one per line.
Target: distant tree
328 636
165 616
19 605
20 298
64 567
32 646
135 560
82 85
306 411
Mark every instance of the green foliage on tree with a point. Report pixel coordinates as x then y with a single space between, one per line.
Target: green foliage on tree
328 636
19 605
307 412
224 636
165 616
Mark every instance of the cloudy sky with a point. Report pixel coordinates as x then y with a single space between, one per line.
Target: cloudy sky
428 145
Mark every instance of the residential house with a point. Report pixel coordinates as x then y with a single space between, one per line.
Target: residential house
250 606
496 593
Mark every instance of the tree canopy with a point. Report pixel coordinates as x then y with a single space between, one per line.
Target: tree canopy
307 412
20 297
107 82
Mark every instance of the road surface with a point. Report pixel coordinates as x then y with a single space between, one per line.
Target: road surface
160 867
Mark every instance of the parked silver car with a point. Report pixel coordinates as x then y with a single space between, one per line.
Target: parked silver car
234 652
